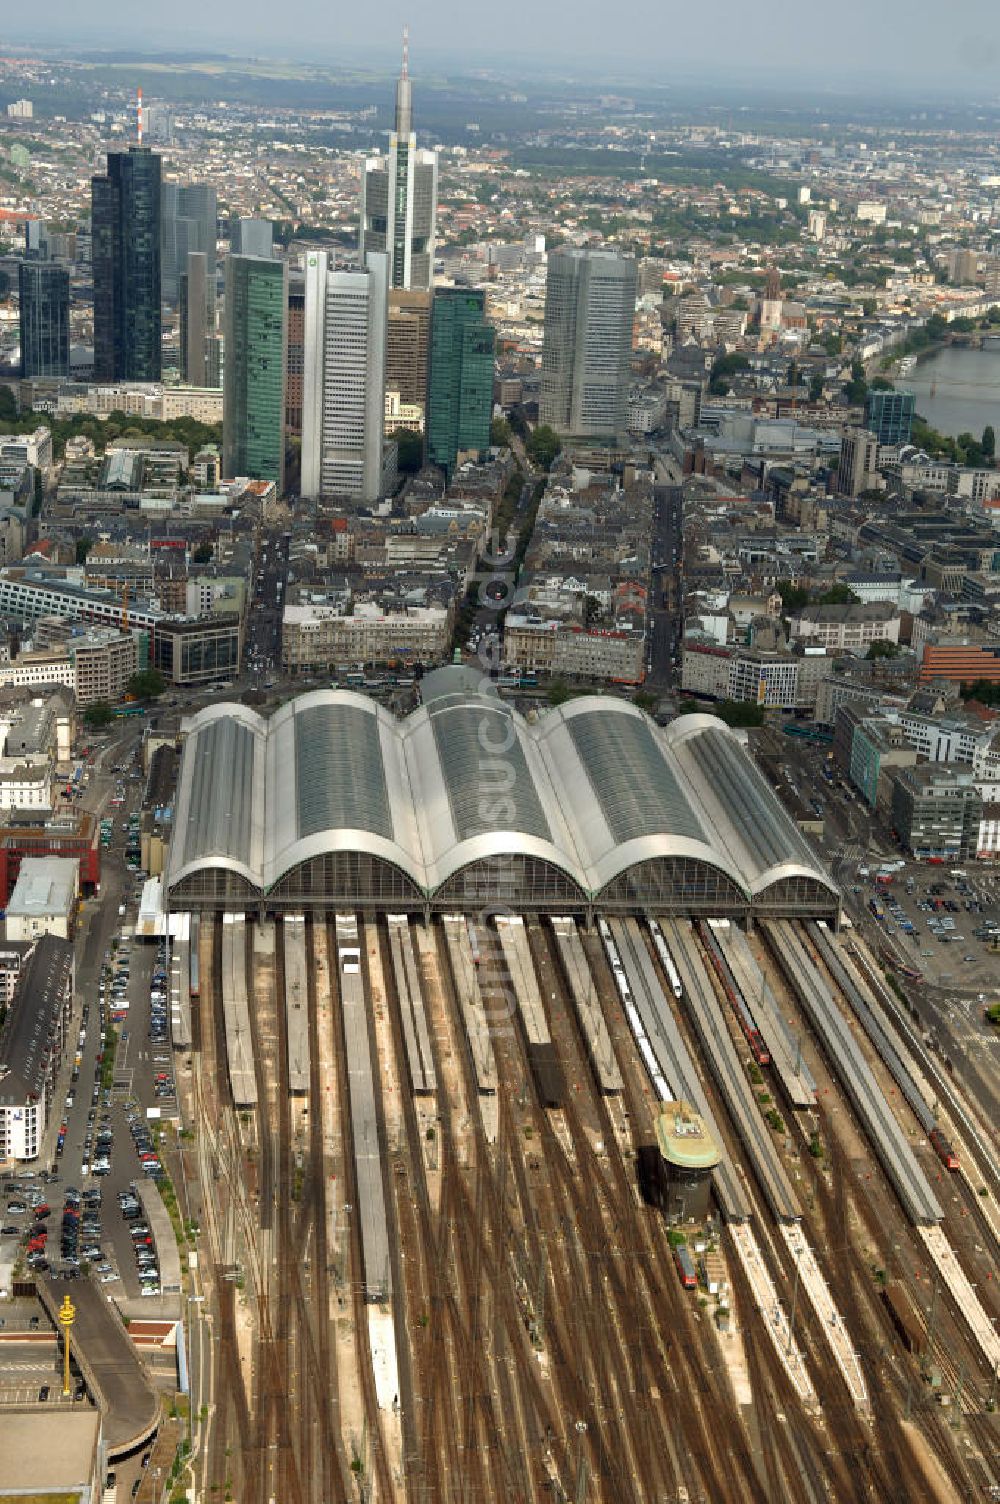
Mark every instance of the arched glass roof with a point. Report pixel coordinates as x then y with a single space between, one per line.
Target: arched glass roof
592 789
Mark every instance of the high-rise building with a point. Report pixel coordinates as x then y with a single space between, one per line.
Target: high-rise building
857 470
295 353
343 398
399 198
460 384
197 317
44 298
889 416
407 345
589 309
189 223
125 220
251 237
253 429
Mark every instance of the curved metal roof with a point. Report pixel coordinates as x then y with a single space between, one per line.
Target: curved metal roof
593 787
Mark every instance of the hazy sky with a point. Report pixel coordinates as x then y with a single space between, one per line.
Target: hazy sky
837 40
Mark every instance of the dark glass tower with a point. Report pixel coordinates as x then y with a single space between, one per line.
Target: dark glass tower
253 386
460 384
44 294
126 262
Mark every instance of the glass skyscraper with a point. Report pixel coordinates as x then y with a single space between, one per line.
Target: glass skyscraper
126 263
189 223
256 313
44 298
399 198
460 384
889 416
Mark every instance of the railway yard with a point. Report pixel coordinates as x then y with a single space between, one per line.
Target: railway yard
437 1273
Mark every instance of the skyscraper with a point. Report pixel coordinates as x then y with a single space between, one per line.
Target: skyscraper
399 198
189 214
889 415
253 426
44 299
407 345
589 309
126 264
295 335
251 237
460 385
343 401
197 317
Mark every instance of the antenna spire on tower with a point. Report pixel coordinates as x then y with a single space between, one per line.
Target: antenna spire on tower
406 52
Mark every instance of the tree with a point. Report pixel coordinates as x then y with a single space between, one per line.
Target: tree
543 445
203 554
500 433
409 451
815 388
739 713
83 547
883 648
856 389
148 684
98 715
838 595
988 443
793 597
559 693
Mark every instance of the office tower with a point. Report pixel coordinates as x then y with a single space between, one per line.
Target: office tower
197 314
460 385
125 253
889 416
857 470
407 345
253 410
343 398
189 223
399 198
991 279
44 299
295 353
251 237
589 308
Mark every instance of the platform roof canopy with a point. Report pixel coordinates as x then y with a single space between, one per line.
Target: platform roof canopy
593 793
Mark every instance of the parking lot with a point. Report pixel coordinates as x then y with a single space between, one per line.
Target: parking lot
945 923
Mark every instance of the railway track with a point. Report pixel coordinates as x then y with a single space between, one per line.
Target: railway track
373 1441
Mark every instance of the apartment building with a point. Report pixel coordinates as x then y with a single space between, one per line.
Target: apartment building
555 648
320 636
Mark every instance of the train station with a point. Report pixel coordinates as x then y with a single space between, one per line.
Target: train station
332 802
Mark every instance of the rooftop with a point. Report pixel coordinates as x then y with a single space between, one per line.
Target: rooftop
683 1139
36 1006
592 788
46 885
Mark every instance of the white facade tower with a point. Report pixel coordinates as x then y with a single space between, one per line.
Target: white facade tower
343 381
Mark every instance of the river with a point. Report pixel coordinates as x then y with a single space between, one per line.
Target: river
957 390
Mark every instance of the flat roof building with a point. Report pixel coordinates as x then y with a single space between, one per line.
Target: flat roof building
44 898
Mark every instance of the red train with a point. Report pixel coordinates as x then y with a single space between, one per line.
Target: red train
943 1149
754 1038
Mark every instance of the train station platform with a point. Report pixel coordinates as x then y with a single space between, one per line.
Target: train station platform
117 1381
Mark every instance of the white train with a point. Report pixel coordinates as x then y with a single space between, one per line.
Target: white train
666 959
631 1013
